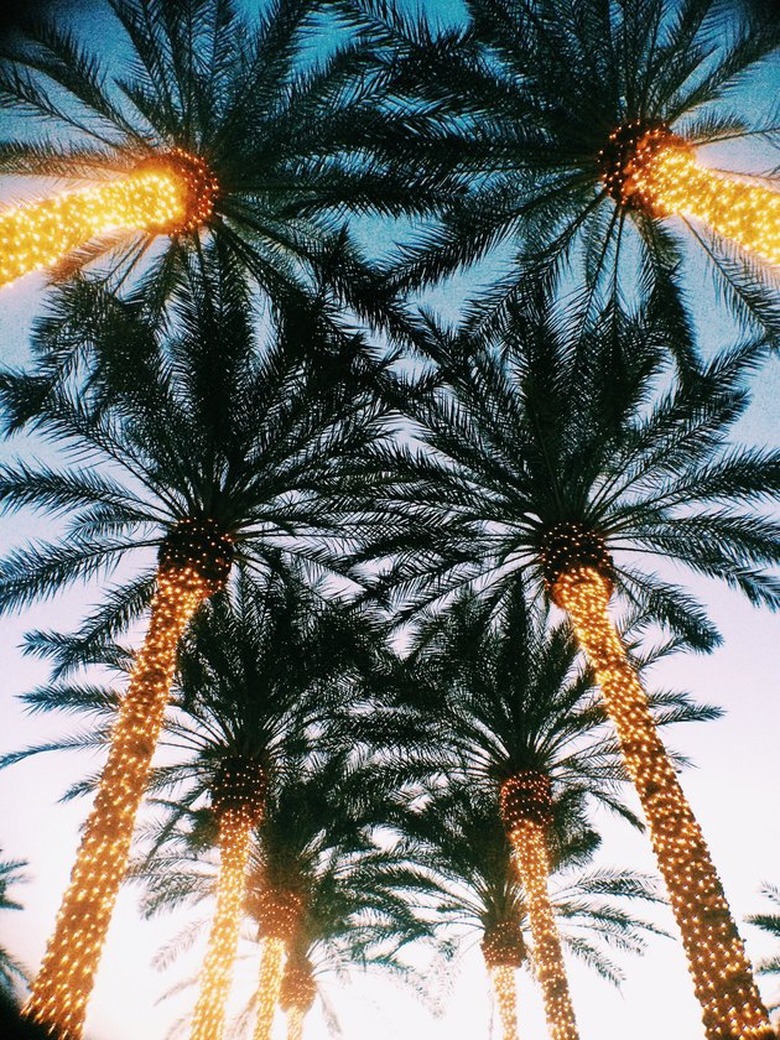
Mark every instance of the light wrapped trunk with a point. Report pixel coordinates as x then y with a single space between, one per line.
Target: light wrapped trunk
238 795
721 973
169 195
647 167
504 951
277 911
64 983
297 992
269 985
526 805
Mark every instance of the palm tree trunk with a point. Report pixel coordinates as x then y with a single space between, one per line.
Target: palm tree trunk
721 972
529 845
63 986
672 183
235 828
295 1017
172 194
503 978
269 985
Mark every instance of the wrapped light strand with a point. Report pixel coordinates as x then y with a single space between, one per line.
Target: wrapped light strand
62 988
648 167
169 195
526 811
721 973
504 951
297 993
238 796
277 912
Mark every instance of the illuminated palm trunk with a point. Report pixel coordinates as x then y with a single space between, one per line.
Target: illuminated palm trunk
63 986
723 981
167 196
503 979
269 986
235 829
652 169
526 810
295 1017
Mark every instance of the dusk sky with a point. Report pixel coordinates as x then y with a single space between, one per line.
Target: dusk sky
732 787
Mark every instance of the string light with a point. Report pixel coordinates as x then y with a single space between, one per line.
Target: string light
238 795
63 986
526 811
650 168
503 979
297 993
504 951
269 985
169 195
721 973
277 911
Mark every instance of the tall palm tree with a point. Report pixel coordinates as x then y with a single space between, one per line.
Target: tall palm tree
508 695
584 129
559 455
458 837
211 450
201 122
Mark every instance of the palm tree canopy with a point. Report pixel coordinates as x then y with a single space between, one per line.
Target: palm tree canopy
565 421
11 971
530 93
460 847
198 421
295 135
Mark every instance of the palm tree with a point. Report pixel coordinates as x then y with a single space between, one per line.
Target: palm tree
10 969
212 451
581 128
769 921
460 840
558 455
198 124
508 696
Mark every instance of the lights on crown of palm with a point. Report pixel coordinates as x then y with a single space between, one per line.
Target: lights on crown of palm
171 194
646 167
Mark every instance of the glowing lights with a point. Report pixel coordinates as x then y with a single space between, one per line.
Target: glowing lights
503 979
731 1006
64 983
650 168
194 561
526 810
297 993
170 195
269 986
237 798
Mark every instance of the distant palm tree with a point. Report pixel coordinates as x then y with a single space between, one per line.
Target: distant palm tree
459 839
198 443
769 922
507 694
201 122
11 971
579 129
558 455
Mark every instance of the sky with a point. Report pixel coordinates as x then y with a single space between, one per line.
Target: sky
732 788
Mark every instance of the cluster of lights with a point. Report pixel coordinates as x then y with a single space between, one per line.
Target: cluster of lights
721 973
238 796
652 169
169 195
526 810
503 944
64 983
297 993
568 544
269 985
503 979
